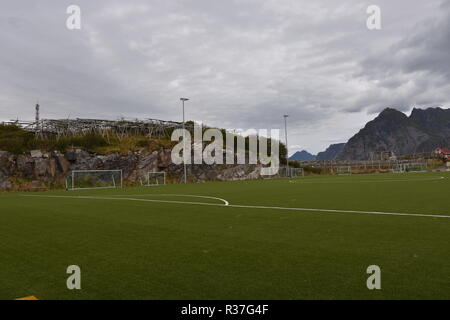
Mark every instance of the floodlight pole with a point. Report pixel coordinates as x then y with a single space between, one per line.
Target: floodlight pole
184 142
287 149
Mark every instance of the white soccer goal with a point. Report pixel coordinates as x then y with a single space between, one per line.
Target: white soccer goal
344 170
94 179
291 172
397 168
410 167
296 172
153 179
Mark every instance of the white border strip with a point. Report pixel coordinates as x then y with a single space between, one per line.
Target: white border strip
330 181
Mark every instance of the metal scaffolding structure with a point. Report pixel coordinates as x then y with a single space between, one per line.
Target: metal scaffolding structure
120 128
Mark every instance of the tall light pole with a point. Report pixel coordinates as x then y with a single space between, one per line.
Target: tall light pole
184 141
287 148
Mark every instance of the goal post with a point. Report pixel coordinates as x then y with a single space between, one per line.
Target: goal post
153 179
291 172
410 167
397 168
417 167
344 170
94 179
296 172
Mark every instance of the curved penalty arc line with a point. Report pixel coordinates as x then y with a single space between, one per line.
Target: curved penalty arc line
173 195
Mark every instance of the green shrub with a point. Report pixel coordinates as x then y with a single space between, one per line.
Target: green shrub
14 139
88 142
312 170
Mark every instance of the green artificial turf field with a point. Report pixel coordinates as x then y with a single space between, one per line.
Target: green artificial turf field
177 246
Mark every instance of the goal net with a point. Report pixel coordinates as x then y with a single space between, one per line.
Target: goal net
154 179
344 170
94 179
397 168
296 172
291 172
410 167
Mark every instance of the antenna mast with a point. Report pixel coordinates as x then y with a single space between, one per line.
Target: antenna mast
37 116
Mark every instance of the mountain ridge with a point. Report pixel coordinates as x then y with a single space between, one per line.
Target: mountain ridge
392 130
331 152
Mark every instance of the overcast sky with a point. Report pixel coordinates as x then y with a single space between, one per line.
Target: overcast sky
243 63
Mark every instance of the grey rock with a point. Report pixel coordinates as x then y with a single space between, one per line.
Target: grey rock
4 183
36 154
25 165
42 168
53 168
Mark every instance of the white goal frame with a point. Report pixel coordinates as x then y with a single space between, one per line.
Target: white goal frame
342 173
296 172
115 184
148 184
406 167
285 172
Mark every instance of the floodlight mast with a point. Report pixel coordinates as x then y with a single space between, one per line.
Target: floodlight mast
287 148
184 141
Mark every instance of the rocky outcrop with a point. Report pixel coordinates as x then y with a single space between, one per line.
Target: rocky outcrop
37 169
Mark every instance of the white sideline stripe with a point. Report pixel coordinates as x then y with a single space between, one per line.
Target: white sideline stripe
344 211
250 207
363 181
170 195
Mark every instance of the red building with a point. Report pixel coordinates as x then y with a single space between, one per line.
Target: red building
443 152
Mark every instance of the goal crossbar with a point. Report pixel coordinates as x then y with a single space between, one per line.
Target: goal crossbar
94 179
153 179
344 170
410 167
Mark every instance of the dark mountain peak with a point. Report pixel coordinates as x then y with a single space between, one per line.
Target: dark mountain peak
435 120
389 119
302 156
391 113
429 113
331 152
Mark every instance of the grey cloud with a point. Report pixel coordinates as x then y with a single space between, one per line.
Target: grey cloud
243 63
415 70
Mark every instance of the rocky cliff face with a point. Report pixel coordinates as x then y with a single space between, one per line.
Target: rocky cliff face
38 169
392 130
331 152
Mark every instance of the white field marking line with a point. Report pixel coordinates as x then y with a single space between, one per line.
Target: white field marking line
249 207
363 181
169 195
130 199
